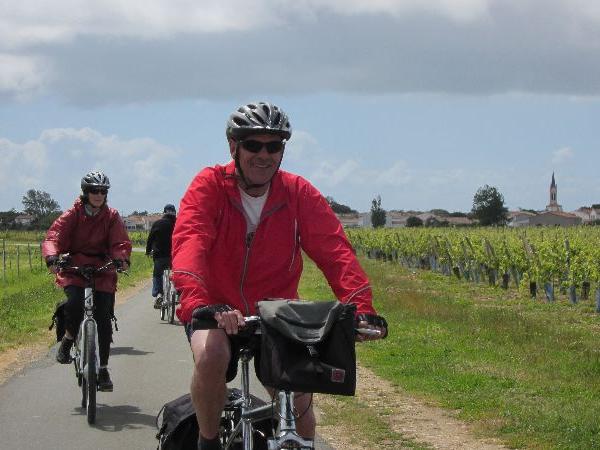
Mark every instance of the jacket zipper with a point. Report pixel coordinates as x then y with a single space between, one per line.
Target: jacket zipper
249 237
295 245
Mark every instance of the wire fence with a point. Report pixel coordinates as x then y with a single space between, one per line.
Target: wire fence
19 259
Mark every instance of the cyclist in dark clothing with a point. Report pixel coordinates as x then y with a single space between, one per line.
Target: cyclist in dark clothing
159 246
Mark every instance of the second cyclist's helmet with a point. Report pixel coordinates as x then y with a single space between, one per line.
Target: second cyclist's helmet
169 209
95 179
260 117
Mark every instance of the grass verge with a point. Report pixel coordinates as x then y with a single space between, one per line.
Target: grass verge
26 307
520 370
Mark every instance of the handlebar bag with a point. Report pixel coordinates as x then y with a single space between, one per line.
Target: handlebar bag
58 320
307 346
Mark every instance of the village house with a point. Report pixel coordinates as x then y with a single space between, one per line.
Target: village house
355 220
140 222
24 219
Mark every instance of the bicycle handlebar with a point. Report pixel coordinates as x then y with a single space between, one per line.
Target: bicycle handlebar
253 322
87 271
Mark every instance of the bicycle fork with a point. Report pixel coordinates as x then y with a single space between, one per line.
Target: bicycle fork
88 316
287 436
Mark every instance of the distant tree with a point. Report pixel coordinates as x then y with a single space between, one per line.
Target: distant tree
139 213
414 221
458 214
377 213
39 204
596 206
488 206
7 218
338 208
440 212
43 223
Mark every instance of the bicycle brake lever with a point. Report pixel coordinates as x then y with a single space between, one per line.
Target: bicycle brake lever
368 331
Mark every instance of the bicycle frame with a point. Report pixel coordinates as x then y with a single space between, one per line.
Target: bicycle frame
80 342
287 422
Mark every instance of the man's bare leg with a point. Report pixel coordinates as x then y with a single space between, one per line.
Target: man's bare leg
208 389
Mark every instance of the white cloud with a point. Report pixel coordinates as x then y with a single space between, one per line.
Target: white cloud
109 51
562 155
21 76
139 169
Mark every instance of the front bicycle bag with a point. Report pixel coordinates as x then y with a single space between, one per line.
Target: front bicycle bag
308 346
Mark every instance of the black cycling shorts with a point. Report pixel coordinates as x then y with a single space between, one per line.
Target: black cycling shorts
236 343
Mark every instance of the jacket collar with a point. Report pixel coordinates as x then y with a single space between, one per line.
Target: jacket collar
277 192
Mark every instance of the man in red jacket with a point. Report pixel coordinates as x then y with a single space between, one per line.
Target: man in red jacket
91 233
238 239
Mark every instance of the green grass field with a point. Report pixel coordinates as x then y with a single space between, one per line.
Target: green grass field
524 371
27 304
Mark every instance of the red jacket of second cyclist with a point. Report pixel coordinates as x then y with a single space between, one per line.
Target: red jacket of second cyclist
216 262
89 240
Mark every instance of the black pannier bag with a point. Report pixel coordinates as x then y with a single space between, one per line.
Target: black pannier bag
178 428
308 346
58 320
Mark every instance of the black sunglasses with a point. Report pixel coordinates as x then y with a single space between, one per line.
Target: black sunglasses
256 146
98 191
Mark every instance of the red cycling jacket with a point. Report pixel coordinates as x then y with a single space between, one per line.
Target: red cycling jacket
89 240
215 263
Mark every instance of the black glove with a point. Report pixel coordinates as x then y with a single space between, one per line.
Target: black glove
378 321
118 263
203 318
51 260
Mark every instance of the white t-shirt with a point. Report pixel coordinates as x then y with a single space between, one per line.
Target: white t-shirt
253 207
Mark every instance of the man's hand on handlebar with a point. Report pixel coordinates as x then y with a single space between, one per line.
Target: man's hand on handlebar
370 327
230 321
218 316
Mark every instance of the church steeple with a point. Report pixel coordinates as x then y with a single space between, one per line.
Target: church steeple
553 205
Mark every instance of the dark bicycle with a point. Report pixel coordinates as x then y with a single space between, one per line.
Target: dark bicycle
170 298
85 351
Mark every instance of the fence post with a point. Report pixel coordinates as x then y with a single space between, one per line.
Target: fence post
41 266
3 260
29 257
18 263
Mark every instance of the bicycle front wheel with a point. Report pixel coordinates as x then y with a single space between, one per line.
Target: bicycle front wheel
90 380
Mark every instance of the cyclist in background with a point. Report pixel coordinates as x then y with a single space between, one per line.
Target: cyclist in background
159 246
92 233
239 238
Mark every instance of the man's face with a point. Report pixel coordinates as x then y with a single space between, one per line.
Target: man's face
258 167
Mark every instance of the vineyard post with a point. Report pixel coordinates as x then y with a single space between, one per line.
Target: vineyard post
572 291
41 266
18 263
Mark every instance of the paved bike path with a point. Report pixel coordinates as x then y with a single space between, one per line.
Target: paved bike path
150 364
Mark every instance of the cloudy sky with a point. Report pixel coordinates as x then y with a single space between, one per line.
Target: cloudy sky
418 101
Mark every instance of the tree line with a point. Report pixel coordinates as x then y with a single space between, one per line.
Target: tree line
39 205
